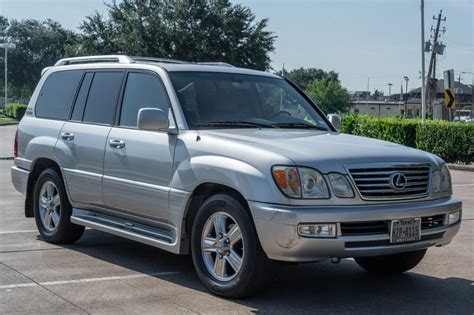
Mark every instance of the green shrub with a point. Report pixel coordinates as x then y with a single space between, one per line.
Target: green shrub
15 110
451 141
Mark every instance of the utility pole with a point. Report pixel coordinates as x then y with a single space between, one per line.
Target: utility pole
423 87
436 48
390 89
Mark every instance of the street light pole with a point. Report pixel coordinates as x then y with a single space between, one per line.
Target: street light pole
423 87
6 45
406 89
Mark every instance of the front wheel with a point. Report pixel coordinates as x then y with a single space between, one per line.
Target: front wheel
396 263
226 251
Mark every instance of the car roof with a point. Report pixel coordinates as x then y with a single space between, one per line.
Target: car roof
189 67
170 65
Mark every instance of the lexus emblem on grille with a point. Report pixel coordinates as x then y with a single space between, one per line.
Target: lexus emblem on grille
398 181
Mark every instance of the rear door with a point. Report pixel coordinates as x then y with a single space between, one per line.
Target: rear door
138 164
80 148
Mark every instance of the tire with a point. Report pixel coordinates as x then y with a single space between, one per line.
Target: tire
254 268
391 264
53 211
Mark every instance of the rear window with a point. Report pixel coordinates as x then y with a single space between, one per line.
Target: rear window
57 94
103 96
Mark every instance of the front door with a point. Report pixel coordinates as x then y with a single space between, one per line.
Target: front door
138 164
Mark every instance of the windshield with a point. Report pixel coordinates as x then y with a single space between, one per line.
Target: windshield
225 100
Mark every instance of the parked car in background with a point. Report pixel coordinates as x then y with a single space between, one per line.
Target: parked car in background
463 115
235 166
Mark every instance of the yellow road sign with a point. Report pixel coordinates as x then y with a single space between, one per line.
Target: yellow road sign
450 99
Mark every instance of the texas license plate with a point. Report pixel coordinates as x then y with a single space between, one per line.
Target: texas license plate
405 230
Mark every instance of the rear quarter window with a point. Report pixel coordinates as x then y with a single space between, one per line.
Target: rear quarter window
102 98
57 94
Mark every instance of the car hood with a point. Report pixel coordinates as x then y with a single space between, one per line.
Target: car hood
326 151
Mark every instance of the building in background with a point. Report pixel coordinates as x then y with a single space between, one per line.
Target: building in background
364 103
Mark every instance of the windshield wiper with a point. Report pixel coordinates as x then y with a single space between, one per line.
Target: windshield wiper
235 123
299 126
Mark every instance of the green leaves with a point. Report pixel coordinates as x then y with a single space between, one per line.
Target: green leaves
38 44
329 95
194 30
15 110
302 77
451 141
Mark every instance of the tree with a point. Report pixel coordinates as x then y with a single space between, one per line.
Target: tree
329 95
195 30
38 45
304 76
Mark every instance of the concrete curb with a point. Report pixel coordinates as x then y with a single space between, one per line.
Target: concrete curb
461 167
8 124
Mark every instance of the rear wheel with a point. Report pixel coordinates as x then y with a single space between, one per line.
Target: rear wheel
53 211
396 263
226 251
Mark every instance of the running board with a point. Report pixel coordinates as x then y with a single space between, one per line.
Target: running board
134 231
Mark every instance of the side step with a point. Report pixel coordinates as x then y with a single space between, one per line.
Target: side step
138 232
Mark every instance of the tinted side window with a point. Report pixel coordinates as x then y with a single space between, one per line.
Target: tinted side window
57 94
81 99
142 90
103 95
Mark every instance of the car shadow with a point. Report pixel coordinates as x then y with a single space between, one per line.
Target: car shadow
312 287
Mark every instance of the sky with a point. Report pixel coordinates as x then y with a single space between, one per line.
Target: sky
365 41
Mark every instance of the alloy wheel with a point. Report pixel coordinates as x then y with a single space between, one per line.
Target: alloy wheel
222 246
49 206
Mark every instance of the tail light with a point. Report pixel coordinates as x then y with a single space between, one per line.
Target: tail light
15 145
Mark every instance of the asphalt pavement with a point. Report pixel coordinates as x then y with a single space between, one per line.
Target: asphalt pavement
102 273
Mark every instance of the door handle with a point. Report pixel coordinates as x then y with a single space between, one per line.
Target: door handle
67 136
117 144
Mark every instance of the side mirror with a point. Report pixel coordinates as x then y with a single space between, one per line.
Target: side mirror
152 119
335 120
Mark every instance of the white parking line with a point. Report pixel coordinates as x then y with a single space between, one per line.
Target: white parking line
84 280
460 185
16 232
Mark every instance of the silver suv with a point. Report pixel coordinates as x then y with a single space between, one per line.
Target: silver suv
235 166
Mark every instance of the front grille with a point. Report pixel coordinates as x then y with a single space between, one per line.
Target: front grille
364 228
378 182
360 244
382 227
432 222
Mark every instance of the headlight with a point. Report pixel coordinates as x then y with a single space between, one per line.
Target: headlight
441 180
341 186
300 182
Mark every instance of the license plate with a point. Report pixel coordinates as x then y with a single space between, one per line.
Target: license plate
405 230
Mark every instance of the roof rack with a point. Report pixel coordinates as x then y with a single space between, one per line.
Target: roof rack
127 60
219 63
92 59
162 60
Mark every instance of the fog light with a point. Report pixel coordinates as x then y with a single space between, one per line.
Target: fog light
454 217
317 230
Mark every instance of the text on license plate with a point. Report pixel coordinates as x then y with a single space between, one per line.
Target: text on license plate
405 230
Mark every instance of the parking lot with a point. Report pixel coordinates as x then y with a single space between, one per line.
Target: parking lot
103 273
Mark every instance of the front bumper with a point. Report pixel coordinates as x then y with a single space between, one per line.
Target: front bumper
277 229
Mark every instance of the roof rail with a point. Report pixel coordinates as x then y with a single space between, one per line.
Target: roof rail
163 60
219 63
92 59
